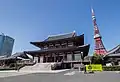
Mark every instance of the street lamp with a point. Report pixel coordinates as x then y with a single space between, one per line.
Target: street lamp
81 57
90 60
81 60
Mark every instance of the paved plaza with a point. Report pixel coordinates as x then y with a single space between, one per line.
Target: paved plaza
66 76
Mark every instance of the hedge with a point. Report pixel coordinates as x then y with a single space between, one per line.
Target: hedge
4 69
111 68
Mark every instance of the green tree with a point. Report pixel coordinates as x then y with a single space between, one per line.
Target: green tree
97 59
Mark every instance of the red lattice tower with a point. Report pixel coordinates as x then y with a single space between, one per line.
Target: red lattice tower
99 47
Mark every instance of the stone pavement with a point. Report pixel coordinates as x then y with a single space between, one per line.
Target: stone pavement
66 76
17 73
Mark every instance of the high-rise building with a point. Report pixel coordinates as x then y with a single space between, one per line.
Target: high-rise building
6 45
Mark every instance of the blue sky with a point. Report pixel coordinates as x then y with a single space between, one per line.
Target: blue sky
34 20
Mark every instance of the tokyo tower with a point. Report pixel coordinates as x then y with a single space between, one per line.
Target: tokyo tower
99 47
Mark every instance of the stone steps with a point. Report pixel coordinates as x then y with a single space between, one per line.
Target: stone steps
37 67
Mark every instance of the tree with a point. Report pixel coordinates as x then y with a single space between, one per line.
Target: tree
97 59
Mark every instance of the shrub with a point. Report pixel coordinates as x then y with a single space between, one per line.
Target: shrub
111 68
96 59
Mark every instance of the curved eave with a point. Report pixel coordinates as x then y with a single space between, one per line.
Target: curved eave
76 38
113 50
84 49
113 56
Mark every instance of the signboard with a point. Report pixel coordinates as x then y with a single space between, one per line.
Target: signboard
94 67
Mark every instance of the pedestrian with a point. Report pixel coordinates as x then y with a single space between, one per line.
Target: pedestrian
84 69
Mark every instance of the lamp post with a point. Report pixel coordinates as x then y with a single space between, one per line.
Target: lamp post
81 57
16 63
81 61
90 60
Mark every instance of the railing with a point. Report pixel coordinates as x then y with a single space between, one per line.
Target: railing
24 64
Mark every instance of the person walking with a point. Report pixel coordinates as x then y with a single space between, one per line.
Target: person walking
85 69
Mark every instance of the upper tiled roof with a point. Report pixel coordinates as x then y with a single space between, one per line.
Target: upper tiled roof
61 36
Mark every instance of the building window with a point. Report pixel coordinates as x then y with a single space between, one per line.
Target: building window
77 57
57 45
70 44
45 47
51 46
64 44
69 57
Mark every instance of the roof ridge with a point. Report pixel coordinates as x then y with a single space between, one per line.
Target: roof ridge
58 36
61 34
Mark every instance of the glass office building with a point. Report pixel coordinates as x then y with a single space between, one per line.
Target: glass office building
6 45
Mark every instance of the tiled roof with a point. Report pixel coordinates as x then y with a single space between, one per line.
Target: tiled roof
14 56
88 57
61 36
19 54
83 48
113 50
118 54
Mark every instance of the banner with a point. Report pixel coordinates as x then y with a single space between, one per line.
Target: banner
94 67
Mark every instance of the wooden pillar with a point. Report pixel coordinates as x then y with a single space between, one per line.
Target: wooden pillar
65 56
54 57
60 44
53 45
67 43
73 56
38 59
74 43
51 59
57 57
46 58
47 45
